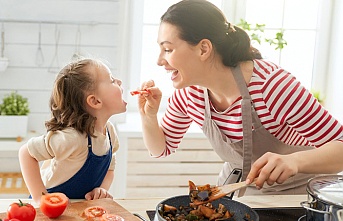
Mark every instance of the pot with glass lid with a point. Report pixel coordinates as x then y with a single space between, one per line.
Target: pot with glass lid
325 198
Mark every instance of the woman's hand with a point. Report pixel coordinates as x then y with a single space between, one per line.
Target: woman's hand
98 193
149 103
272 168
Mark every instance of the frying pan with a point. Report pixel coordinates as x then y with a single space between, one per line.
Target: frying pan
239 209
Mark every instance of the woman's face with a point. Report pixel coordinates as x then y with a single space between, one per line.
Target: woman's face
178 57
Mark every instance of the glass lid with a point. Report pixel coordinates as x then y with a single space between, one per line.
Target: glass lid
327 188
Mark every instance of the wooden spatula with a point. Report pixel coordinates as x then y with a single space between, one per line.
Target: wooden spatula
218 192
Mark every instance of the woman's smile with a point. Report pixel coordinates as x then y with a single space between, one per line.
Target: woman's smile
174 75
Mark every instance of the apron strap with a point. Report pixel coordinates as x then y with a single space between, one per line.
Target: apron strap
246 122
207 104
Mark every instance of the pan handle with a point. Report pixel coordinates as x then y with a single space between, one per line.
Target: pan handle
234 177
340 215
140 217
307 206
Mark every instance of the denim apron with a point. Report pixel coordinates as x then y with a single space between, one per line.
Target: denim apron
256 141
90 176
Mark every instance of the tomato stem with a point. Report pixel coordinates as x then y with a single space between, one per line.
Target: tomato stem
21 203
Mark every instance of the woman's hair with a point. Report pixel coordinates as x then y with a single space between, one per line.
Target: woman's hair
200 19
68 98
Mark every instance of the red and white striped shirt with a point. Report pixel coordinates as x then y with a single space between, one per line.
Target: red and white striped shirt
286 109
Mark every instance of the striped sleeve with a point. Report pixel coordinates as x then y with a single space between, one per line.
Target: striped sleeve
292 105
175 121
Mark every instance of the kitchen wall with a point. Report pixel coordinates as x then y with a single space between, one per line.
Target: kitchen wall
74 25
89 27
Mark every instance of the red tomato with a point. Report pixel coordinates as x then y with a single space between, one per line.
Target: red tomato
10 219
53 204
94 211
21 211
111 217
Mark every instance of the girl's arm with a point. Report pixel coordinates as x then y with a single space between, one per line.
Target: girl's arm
102 191
30 169
107 182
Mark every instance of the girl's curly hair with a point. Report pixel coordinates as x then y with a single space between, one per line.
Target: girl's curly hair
68 98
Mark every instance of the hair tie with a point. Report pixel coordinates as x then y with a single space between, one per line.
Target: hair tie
230 28
65 77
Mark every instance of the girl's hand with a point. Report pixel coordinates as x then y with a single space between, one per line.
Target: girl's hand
149 103
272 168
98 193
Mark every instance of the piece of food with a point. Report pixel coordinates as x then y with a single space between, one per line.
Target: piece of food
139 92
53 204
111 217
94 212
21 211
199 193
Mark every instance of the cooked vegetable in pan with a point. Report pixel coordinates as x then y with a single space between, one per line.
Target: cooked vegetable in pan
205 212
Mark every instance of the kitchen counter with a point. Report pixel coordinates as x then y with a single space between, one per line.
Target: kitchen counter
140 206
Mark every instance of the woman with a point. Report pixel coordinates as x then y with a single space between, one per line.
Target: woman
256 115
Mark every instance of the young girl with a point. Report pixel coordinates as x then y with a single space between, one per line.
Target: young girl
78 151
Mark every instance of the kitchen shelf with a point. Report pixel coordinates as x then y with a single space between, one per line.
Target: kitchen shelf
49 22
12 145
12 183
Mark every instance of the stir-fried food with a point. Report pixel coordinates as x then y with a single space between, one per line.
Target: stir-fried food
188 213
192 212
199 193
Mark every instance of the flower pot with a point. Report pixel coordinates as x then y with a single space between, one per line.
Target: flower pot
13 126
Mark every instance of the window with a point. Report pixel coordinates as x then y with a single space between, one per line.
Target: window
301 56
300 29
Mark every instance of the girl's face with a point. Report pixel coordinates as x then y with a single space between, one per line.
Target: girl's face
178 57
109 91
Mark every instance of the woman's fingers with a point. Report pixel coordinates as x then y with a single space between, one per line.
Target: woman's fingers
271 168
147 84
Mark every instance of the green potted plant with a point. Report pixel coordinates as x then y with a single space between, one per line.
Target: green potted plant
14 111
256 33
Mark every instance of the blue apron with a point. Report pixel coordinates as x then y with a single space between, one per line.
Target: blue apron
90 176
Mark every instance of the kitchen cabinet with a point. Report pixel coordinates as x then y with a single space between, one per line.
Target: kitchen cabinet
137 174
11 183
9 148
164 177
